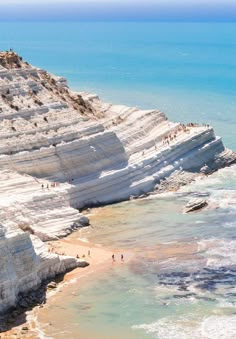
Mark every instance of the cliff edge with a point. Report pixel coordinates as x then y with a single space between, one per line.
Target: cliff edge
61 151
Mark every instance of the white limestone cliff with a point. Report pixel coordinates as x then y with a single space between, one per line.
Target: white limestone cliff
25 263
61 151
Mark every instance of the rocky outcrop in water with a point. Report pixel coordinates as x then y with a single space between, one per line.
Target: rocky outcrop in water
195 205
61 151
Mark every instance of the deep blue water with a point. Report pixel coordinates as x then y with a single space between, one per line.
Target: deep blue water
181 284
186 69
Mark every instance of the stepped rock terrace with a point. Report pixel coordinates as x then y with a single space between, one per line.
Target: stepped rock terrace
61 151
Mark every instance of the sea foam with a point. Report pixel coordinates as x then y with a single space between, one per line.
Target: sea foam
212 327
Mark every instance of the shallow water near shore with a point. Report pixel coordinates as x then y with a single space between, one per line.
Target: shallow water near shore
180 282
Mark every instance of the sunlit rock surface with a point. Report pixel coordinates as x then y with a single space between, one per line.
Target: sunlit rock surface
61 151
25 263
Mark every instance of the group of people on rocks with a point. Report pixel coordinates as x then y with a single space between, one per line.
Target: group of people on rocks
53 250
192 124
168 138
172 136
52 185
181 128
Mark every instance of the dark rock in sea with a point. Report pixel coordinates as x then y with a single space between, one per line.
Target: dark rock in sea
195 205
208 285
205 298
180 296
84 221
183 288
201 194
231 295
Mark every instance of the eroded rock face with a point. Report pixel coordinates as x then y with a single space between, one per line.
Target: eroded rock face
25 263
10 59
61 151
100 153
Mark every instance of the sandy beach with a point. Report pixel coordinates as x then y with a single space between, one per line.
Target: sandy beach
39 321
99 259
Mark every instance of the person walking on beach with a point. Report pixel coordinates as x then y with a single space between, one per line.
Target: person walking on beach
122 257
113 257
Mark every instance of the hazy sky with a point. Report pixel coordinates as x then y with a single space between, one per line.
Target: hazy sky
167 3
117 1
118 10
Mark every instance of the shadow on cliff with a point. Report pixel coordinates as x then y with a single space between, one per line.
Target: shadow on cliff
122 184
88 159
17 316
92 190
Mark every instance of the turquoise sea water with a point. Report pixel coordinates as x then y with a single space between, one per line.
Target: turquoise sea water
181 283
186 69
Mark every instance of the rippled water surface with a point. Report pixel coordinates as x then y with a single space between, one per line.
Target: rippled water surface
181 280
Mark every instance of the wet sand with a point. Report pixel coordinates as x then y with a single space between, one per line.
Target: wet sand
99 259
44 322
57 310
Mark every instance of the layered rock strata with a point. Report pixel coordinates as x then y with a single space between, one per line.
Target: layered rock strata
61 151
25 263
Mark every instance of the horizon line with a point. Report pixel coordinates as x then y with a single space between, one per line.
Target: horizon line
197 20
